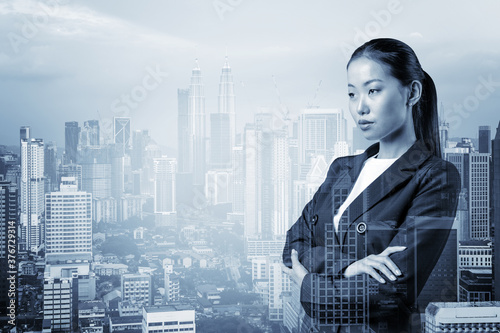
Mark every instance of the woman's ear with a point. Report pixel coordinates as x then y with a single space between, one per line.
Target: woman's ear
415 92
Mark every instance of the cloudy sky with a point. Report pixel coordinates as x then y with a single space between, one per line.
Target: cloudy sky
63 60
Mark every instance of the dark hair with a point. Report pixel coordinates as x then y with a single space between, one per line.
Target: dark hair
403 64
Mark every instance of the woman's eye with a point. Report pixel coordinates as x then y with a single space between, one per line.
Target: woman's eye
371 91
351 95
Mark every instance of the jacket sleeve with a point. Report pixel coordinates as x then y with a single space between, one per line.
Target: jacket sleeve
424 231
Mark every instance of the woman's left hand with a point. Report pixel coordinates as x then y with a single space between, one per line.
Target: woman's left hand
298 271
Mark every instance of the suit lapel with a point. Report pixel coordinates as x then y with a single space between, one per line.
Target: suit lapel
397 175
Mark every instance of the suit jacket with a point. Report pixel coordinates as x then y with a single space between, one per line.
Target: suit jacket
413 204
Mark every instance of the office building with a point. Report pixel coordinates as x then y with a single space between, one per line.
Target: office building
71 136
319 130
8 230
475 285
462 317
222 123
197 132
96 179
279 283
137 288
168 318
60 303
484 139
68 221
121 134
165 184
183 137
495 201
71 170
475 254
267 178
474 171
219 186
238 170
90 134
32 193
140 140
50 166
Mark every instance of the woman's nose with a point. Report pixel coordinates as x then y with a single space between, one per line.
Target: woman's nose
362 108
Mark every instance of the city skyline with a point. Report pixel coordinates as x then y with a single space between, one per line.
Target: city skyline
67 61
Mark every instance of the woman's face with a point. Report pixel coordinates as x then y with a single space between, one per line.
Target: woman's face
377 101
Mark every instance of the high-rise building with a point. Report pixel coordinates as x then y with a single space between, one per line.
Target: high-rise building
71 170
50 167
219 186
319 130
140 139
444 128
171 283
32 193
71 136
197 131
90 133
223 132
60 303
474 169
183 134
8 251
475 285
484 139
96 179
279 283
495 192
137 288
267 179
121 134
462 317
238 170
68 221
164 171
168 318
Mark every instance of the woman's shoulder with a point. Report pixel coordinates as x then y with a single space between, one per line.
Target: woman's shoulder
438 168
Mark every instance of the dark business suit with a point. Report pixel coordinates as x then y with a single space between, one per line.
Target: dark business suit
412 204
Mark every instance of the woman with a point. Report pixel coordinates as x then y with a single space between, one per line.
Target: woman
367 242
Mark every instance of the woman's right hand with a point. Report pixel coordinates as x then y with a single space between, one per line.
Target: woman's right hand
375 264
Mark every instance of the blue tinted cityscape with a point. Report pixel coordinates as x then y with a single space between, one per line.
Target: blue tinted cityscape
125 220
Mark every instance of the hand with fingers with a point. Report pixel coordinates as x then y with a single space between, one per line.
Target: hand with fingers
377 264
298 271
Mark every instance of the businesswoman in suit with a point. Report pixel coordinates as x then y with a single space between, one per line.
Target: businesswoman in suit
365 245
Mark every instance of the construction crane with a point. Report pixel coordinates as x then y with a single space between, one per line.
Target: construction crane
311 104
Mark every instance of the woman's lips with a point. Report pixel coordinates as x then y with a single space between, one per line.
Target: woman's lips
364 124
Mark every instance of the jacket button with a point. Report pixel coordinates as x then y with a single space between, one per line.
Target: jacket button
314 219
361 227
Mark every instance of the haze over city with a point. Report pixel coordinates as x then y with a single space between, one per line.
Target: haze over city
75 60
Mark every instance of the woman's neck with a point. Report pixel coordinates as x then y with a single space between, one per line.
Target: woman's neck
395 149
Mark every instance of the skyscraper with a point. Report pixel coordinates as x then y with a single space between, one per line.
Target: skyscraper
164 175
68 221
474 171
71 136
495 181
90 133
319 130
183 136
32 192
222 133
484 139
50 167
121 134
267 179
8 229
196 113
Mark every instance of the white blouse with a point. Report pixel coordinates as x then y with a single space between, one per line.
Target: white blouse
372 169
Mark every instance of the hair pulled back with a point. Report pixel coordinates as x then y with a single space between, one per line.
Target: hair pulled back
403 65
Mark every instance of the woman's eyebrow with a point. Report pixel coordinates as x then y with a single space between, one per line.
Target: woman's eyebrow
366 83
